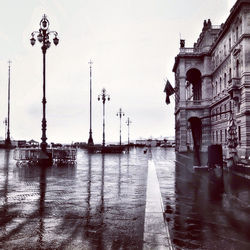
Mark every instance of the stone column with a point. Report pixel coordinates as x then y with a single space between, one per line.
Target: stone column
183 131
206 130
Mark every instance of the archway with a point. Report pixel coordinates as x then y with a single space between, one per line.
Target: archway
196 128
194 77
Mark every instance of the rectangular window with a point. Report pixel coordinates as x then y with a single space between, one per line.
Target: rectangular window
221 136
225 109
225 135
229 43
216 136
239 134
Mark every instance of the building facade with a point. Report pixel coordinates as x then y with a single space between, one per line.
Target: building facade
212 84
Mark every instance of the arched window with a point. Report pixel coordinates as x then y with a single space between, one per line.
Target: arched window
230 74
216 88
225 80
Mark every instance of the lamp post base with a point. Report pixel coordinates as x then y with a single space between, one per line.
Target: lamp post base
90 141
8 143
45 159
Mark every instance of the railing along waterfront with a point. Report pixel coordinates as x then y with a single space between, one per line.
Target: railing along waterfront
30 156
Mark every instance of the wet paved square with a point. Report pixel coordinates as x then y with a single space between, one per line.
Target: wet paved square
99 204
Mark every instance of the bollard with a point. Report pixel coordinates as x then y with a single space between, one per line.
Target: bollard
215 156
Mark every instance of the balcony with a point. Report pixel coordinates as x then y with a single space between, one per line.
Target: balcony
196 103
234 82
234 88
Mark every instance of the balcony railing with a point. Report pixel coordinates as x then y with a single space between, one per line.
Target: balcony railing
196 103
189 51
216 27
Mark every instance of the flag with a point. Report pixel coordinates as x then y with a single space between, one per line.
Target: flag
169 90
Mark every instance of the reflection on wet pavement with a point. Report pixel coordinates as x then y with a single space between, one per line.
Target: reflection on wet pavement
99 204
204 210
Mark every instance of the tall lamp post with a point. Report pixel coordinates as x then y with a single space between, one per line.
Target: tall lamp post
128 122
90 140
120 113
7 141
103 96
43 38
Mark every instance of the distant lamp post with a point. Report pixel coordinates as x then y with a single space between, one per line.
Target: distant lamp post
6 125
90 140
128 122
7 140
120 113
43 38
103 96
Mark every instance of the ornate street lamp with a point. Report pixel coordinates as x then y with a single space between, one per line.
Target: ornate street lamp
103 96
232 138
90 140
43 38
7 140
120 113
128 122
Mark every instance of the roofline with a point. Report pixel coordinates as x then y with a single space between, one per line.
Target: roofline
226 25
177 58
224 29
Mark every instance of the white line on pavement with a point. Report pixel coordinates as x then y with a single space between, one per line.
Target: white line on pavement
156 233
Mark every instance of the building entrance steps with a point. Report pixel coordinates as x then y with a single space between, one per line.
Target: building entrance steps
156 233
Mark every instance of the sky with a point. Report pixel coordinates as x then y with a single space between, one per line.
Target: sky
132 44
